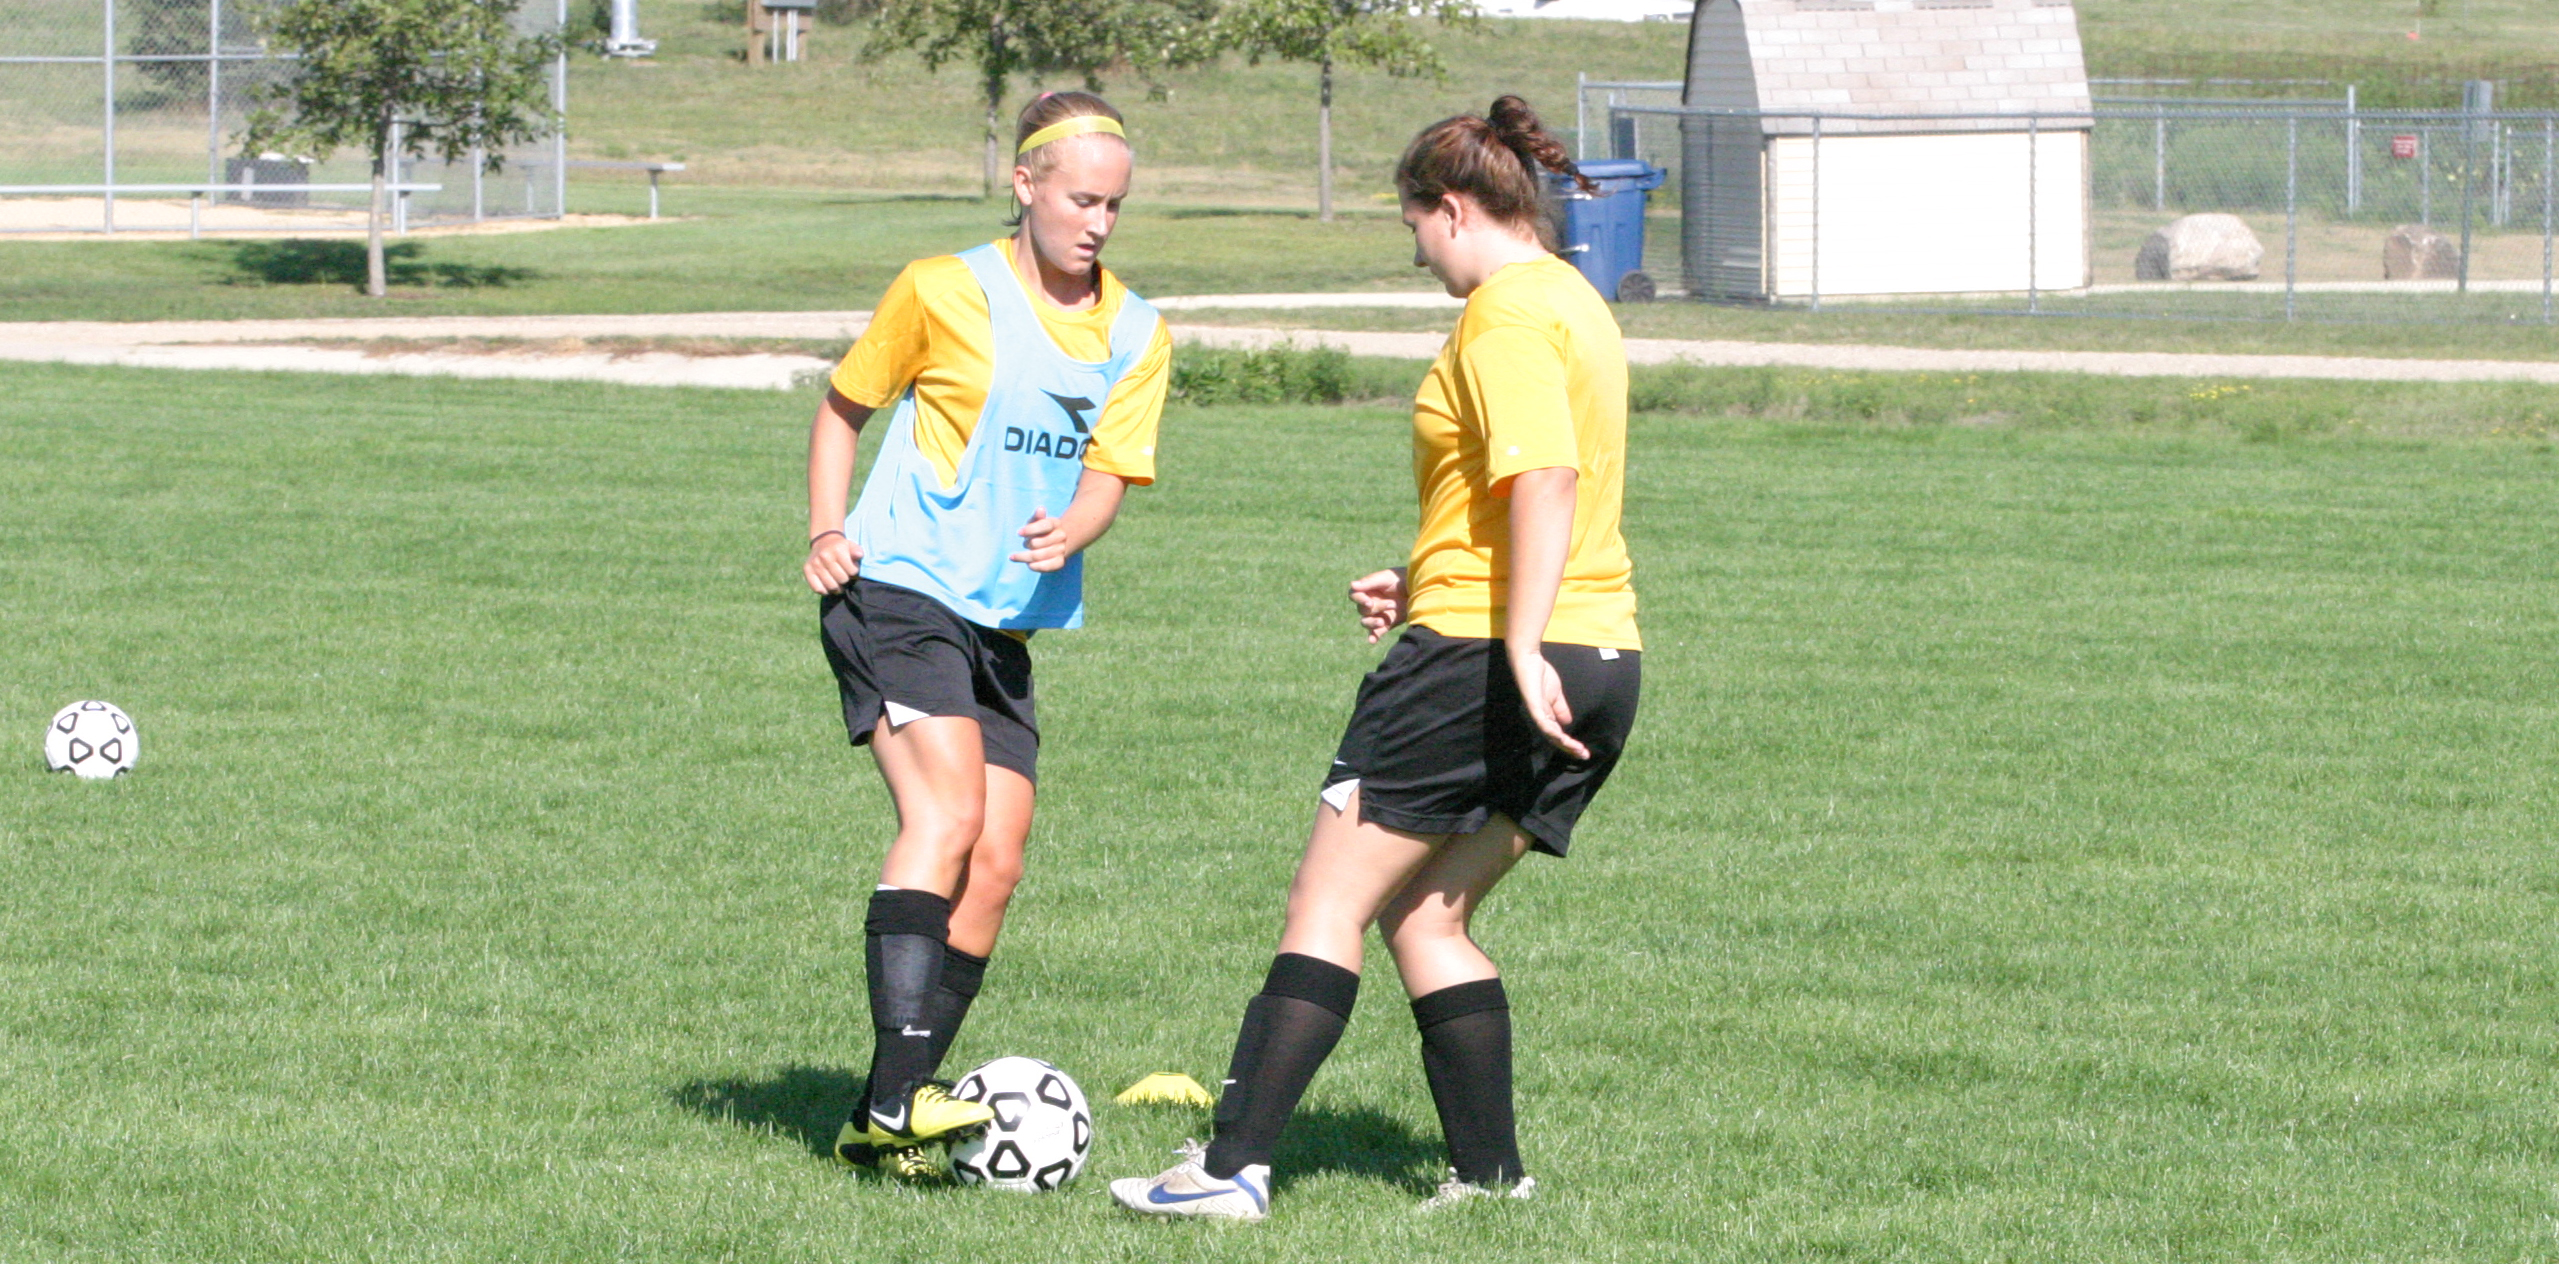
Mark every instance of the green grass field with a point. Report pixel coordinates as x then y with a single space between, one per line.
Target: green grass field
737 250
2042 842
800 249
810 184
1854 323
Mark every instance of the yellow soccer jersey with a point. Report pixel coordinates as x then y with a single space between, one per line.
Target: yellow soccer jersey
931 331
1534 378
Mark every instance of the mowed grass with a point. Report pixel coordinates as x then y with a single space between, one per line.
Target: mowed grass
2039 843
731 250
812 250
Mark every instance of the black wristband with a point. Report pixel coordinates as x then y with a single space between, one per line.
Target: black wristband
822 535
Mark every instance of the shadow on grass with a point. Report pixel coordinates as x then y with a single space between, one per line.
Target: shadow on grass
306 262
1363 1142
1231 212
905 197
806 1103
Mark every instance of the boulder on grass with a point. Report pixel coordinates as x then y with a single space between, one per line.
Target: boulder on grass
2209 247
2414 252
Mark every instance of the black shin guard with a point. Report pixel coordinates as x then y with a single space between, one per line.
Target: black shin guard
1288 1032
948 1007
903 941
1466 1053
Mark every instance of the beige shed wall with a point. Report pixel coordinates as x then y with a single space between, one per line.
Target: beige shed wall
1928 214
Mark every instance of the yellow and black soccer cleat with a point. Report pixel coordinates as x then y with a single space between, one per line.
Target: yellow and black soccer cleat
853 1143
911 1164
930 1113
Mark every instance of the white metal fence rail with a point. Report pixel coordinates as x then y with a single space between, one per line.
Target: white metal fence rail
2361 215
144 101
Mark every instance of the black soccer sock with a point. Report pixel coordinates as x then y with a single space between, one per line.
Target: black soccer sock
1466 1053
902 941
948 1007
1288 1032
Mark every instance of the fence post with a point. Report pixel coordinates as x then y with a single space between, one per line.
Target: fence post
2425 177
2292 207
2499 210
1581 116
560 115
398 163
2549 168
213 96
2034 242
2354 155
2159 158
107 67
1816 274
2469 178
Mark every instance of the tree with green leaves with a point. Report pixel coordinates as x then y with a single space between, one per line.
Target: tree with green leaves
1325 33
445 77
184 29
1005 38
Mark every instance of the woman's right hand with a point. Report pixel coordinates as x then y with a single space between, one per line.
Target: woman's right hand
1379 598
832 564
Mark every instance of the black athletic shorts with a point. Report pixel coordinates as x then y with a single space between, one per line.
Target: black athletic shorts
1439 741
898 651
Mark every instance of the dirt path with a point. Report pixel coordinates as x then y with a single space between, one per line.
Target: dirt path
176 219
216 345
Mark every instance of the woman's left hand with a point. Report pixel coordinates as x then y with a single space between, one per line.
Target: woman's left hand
1044 542
1542 691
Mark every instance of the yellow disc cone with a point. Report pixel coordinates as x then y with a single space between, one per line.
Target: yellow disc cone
1168 1087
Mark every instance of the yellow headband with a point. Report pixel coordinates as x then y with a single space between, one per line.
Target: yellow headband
1077 126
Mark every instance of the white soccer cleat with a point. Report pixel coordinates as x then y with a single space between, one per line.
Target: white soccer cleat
1454 1191
1186 1189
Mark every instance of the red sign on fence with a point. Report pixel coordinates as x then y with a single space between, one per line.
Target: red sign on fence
2403 146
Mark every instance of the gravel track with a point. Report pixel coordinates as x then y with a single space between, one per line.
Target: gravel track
217 345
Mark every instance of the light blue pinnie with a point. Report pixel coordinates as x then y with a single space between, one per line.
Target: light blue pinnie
954 543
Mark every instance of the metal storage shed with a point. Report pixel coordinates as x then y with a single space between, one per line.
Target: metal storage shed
1845 147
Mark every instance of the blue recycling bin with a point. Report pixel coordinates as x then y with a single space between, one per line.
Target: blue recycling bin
1603 234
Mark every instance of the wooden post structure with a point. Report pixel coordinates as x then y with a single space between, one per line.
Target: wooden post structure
757 23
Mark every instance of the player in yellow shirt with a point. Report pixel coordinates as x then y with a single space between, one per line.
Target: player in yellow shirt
1495 718
1027 383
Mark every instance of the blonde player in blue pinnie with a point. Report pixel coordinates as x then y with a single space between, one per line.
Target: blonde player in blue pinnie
1027 382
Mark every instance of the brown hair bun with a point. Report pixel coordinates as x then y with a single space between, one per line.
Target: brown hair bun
1492 160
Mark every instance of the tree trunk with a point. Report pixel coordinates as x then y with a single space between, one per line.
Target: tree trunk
373 278
1324 144
995 169
994 102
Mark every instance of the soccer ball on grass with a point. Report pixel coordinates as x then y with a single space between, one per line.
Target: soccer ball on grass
91 740
1041 1134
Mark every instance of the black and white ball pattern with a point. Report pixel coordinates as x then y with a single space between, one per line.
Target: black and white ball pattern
1042 1132
91 740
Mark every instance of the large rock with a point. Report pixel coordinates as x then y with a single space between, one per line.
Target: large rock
2210 247
2414 252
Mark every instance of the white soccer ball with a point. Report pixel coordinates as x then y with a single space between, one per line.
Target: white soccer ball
1042 1131
91 740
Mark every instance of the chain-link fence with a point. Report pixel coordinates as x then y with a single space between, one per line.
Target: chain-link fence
2230 210
126 116
1602 130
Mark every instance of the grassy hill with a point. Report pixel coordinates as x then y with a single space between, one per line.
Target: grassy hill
1242 133
1233 132
2344 41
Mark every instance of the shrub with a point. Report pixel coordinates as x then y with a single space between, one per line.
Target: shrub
1284 374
